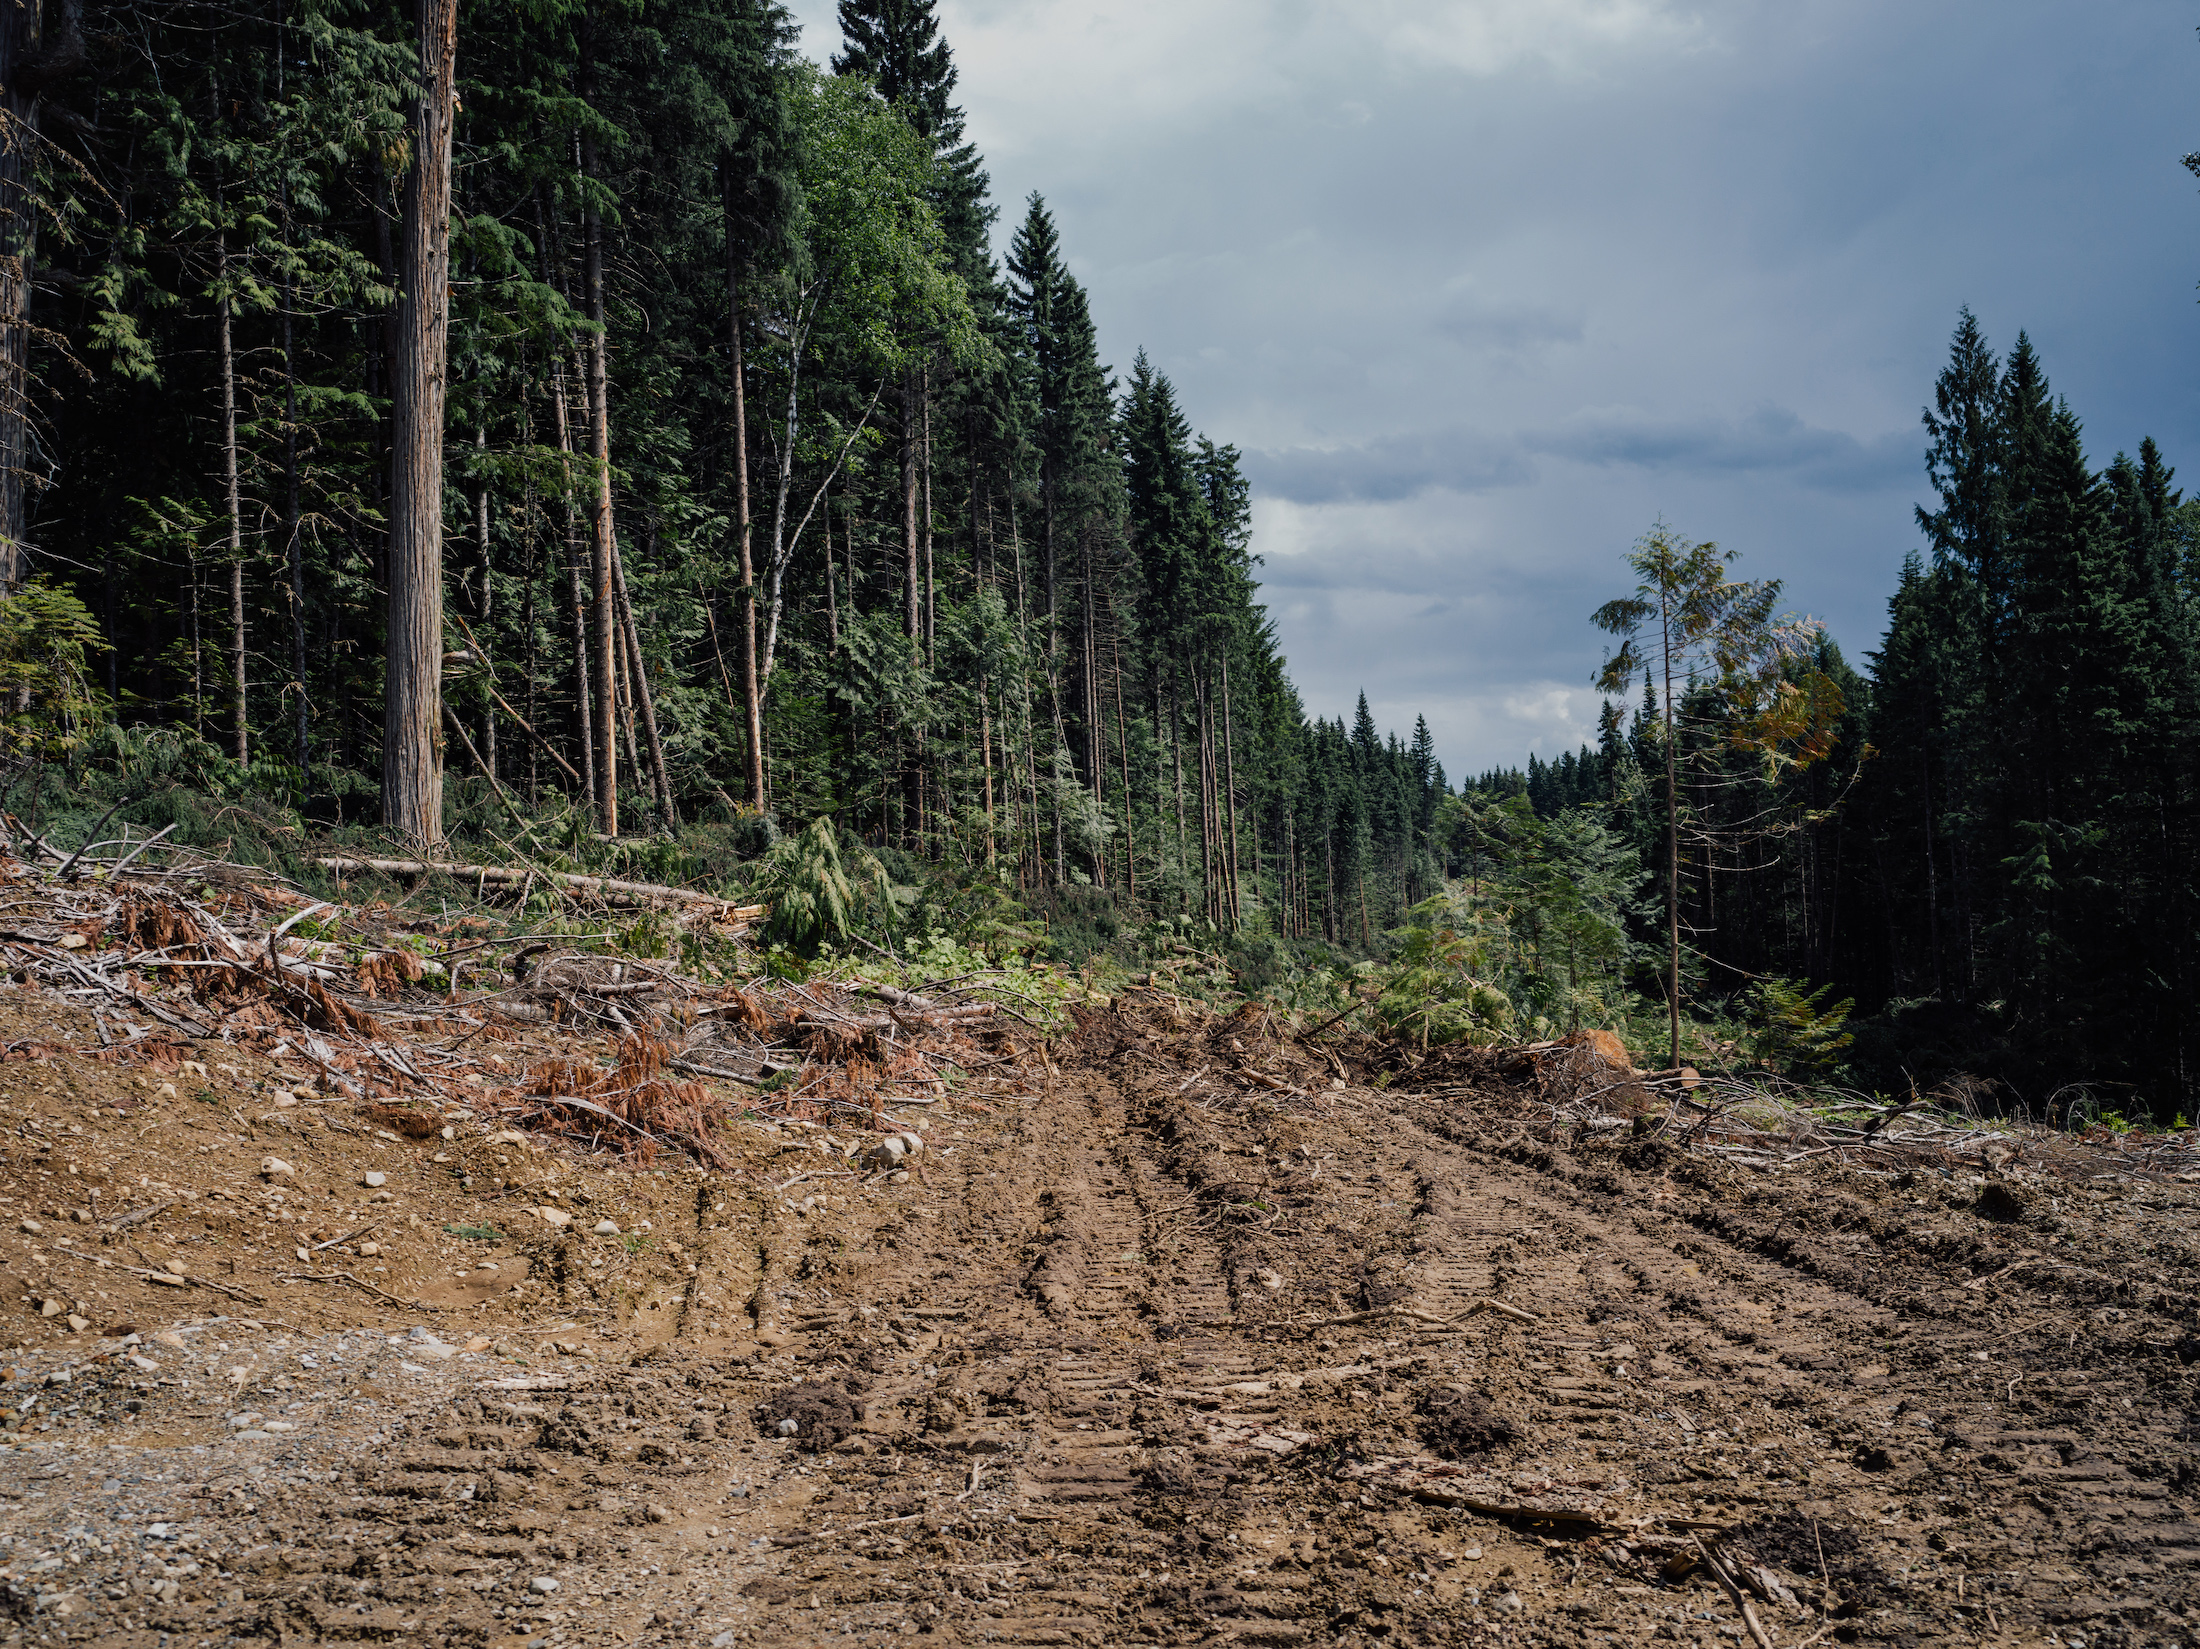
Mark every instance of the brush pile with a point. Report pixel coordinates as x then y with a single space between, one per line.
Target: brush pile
1586 1085
423 1025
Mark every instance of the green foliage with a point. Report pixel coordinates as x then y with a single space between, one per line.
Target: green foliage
822 894
48 703
1434 989
1799 1029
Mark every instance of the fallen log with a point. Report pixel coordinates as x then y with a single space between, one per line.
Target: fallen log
506 876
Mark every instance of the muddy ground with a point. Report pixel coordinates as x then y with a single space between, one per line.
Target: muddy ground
1185 1334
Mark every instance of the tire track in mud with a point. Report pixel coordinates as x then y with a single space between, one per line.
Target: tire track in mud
1106 1371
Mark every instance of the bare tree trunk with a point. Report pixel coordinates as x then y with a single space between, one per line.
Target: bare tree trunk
911 621
412 771
485 603
577 602
623 684
1672 848
1176 753
28 63
752 708
240 729
832 593
601 527
642 696
1229 798
291 517
1123 750
931 609
985 755
1205 777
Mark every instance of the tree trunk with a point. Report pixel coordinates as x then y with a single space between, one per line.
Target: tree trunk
1176 754
1123 750
485 603
752 709
601 528
985 755
22 38
1229 798
294 549
931 609
623 692
912 620
412 772
240 728
1672 858
832 591
643 698
577 602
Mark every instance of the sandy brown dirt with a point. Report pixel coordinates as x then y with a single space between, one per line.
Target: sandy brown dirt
1185 1338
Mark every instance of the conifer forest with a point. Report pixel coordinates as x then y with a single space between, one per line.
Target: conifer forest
595 428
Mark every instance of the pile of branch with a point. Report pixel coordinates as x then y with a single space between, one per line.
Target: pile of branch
1757 1119
416 1029
609 889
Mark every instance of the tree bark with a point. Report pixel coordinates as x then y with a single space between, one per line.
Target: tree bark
485 603
931 609
1123 750
601 527
643 698
294 550
1229 798
577 601
912 619
240 729
1672 848
412 773
752 709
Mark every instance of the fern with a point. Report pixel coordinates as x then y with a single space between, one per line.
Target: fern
1801 1028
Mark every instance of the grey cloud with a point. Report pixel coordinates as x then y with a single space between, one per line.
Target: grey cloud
1388 468
1771 439
1493 325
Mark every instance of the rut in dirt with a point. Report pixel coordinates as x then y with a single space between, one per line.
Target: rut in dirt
1158 1354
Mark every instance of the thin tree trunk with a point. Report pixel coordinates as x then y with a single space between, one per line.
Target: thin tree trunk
623 685
577 596
832 593
240 727
1229 798
985 755
1176 753
752 709
931 608
295 550
412 770
28 61
912 619
643 698
601 528
198 681
1123 750
485 605
1672 854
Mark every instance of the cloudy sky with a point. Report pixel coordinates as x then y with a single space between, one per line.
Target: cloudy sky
1484 288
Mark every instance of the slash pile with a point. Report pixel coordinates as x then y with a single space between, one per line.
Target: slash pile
426 1020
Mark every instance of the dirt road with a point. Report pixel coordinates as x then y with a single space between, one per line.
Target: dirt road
1189 1337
